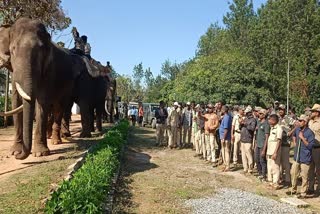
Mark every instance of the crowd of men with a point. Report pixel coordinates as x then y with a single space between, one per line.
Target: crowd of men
263 138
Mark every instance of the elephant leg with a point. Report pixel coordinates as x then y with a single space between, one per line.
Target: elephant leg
99 112
16 148
92 117
56 128
40 141
65 125
49 126
86 119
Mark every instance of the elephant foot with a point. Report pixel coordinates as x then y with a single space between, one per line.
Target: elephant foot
23 155
16 149
49 135
66 135
40 154
40 150
85 135
56 141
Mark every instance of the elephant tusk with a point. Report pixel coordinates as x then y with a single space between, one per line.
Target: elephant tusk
106 107
12 112
23 94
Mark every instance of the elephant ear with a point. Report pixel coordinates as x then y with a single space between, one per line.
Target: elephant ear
4 46
77 65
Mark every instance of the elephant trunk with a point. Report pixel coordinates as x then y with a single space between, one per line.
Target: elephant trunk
28 116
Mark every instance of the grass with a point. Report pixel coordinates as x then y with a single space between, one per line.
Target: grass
25 192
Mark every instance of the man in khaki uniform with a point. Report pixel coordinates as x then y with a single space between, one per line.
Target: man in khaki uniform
179 128
236 133
314 125
173 125
274 151
287 124
303 139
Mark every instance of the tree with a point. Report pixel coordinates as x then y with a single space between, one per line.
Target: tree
48 12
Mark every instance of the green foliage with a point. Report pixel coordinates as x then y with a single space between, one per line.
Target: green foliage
86 192
49 12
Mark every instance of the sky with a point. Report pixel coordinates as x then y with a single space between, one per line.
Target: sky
127 32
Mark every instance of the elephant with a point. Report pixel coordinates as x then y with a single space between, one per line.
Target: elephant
110 101
43 78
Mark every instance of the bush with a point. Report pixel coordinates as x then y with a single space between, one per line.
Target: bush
86 192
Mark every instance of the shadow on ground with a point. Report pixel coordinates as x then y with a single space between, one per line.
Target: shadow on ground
134 161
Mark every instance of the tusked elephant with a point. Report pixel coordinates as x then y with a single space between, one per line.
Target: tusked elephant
110 100
43 77
89 93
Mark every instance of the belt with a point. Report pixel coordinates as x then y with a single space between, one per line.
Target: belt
285 145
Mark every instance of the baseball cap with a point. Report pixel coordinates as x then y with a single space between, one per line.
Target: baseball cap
176 104
188 103
248 109
282 106
316 107
263 111
257 108
303 117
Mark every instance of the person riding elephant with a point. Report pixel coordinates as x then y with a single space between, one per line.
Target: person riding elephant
43 77
87 47
79 45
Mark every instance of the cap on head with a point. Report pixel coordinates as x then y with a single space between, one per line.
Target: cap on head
248 109
197 106
263 111
176 104
304 118
316 107
282 106
276 102
188 103
257 108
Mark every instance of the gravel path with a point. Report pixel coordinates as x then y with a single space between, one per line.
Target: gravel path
231 201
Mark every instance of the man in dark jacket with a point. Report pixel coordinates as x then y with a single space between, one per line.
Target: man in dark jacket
248 126
161 117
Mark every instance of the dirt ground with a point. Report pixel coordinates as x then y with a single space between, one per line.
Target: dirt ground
24 185
159 180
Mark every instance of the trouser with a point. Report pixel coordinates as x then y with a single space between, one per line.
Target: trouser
160 133
210 147
303 169
285 164
218 142
225 149
314 168
246 154
178 139
273 167
172 137
186 135
193 136
197 142
261 162
236 147
133 120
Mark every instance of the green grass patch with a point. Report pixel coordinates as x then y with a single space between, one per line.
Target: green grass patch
86 192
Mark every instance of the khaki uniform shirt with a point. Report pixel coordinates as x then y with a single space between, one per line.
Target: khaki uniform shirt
275 135
174 118
314 125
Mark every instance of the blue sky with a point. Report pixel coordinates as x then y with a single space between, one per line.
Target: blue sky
127 32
